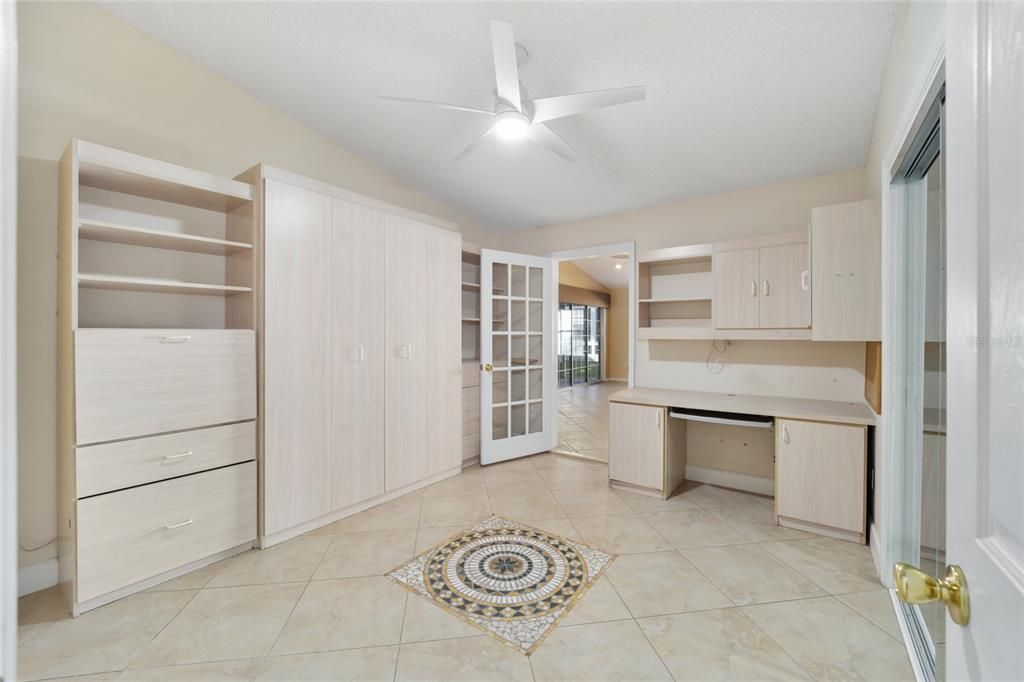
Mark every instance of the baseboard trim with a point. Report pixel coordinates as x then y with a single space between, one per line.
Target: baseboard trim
37 576
761 485
267 541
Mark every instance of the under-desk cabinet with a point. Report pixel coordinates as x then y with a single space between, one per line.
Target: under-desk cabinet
646 449
820 477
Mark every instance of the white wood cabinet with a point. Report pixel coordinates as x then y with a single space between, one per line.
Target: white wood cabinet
820 477
296 354
646 449
423 342
357 342
785 287
737 287
361 364
762 283
846 258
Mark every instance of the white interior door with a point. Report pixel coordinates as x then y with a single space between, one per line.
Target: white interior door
518 401
985 327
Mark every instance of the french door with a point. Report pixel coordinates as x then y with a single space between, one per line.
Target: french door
518 408
985 327
580 344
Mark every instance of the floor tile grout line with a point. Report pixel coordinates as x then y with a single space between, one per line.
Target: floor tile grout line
865 618
291 612
777 643
152 639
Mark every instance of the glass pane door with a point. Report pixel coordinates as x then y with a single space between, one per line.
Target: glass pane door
580 344
517 379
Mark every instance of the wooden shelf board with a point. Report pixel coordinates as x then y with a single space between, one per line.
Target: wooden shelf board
474 320
118 171
674 300
470 286
97 230
677 333
152 284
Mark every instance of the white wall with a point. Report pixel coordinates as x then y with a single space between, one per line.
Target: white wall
83 73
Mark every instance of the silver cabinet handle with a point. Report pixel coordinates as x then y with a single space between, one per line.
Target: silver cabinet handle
356 353
803 281
785 435
182 524
175 339
178 457
764 288
657 419
405 351
753 288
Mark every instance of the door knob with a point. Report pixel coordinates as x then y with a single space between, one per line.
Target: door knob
488 367
914 586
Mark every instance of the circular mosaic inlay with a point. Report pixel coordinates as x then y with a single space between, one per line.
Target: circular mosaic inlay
505 573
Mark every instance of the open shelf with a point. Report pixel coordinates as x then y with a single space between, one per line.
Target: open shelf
695 332
470 286
97 230
471 320
113 169
152 284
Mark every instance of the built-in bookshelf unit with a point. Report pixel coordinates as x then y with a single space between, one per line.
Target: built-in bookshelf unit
674 288
470 352
156 371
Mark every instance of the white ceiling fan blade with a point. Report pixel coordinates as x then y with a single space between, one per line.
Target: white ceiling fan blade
548 108
440 105
545 137
475 143
506 68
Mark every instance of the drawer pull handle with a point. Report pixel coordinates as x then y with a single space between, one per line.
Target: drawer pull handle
178 525
175 339
178 457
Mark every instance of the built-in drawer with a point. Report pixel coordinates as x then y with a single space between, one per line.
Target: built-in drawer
126 463
139 382
135 534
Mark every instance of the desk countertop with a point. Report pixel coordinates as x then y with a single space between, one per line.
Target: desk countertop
771 406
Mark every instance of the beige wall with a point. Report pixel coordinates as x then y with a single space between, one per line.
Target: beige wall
84 73
617 364
571 274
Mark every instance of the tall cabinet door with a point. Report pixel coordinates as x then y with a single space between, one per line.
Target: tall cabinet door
296 356
422 351
785 287
357 345
735 302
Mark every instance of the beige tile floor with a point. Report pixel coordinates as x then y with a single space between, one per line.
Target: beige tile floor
583 419
705 587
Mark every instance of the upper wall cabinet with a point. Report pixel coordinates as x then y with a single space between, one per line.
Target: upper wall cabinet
846 272
762 284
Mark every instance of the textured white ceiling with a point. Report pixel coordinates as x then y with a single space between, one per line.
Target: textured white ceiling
602 268
738 94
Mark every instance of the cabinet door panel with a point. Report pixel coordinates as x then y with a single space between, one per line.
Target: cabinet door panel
820 473
736 294
846 255
423 392
785 302
357 344
296 356
636 440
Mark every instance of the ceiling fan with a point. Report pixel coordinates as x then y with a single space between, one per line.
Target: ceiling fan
515 116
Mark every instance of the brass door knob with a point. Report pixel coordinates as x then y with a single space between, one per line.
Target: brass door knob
914 586
487 368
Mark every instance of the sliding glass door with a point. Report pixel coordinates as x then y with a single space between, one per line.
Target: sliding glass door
580 344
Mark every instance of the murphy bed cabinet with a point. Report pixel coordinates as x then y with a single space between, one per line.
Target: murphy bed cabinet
821 477
651 449
156 372
762 283
360 358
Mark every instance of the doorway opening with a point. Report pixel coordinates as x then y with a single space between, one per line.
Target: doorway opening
594 343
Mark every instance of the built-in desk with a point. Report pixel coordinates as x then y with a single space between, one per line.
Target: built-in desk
820 450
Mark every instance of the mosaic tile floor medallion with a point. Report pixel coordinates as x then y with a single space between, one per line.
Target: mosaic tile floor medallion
511 580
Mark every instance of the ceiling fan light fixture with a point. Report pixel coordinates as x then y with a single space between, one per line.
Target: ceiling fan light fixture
511 125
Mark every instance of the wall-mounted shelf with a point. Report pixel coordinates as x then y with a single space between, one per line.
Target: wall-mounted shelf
97 230
471 286
113 169
152 284
471 320
681 299
701 329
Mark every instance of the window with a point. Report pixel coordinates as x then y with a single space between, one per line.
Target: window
580 344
